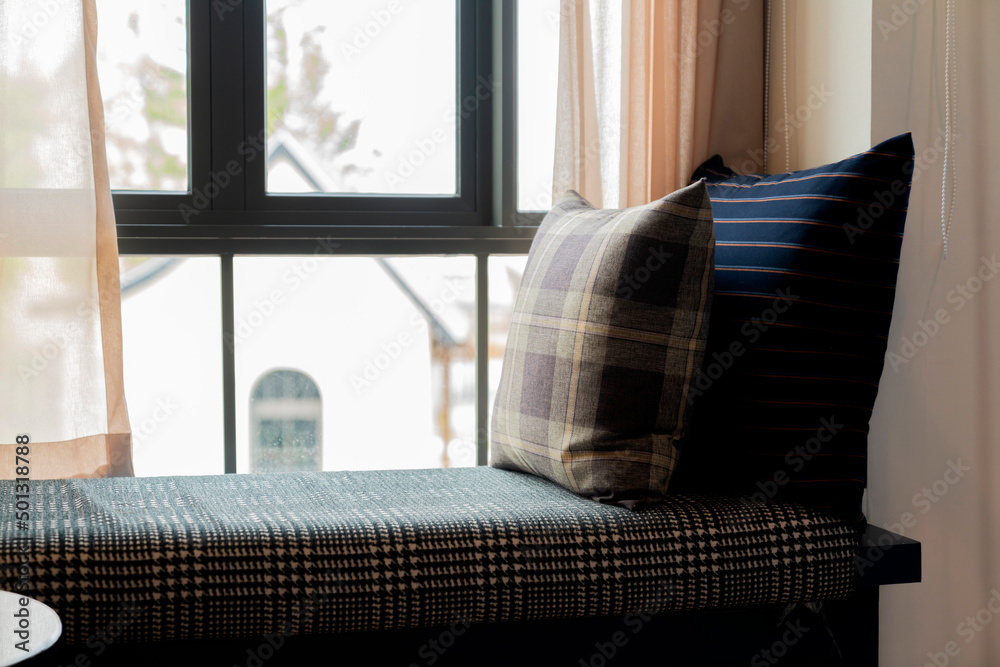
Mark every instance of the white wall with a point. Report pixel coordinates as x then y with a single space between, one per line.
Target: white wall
934 447
828 81
939 406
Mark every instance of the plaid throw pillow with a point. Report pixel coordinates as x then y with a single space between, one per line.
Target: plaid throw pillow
607 333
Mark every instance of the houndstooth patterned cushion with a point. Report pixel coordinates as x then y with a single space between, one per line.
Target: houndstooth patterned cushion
165 558
608 330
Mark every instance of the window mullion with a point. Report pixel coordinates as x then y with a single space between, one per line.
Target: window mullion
504 112
228 364
482 357
199 96
225 187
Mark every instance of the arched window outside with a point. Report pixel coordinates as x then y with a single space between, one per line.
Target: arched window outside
286 415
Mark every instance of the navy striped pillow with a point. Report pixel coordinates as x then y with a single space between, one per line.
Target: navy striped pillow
805 276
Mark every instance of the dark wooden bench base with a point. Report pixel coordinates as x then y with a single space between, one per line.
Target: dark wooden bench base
840 632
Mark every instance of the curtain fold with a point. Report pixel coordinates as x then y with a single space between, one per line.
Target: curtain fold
648 89
61 382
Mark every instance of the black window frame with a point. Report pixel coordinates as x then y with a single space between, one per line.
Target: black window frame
226 69
226 73
381 209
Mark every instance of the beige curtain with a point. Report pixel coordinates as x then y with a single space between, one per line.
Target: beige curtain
60 308
648 89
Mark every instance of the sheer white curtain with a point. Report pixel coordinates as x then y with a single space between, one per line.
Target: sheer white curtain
935 442
648 89
60 310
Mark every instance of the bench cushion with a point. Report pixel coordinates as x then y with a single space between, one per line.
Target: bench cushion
162 558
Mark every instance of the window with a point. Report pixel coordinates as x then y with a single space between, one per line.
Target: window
286 417
142 58
538 51
290 166
322 109
389 342
173 363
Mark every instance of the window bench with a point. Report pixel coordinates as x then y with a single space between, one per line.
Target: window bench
432 564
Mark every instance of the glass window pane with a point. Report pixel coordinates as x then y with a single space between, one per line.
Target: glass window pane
505 279
286 411
142 63
537 73
361 96
172 328
389 345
